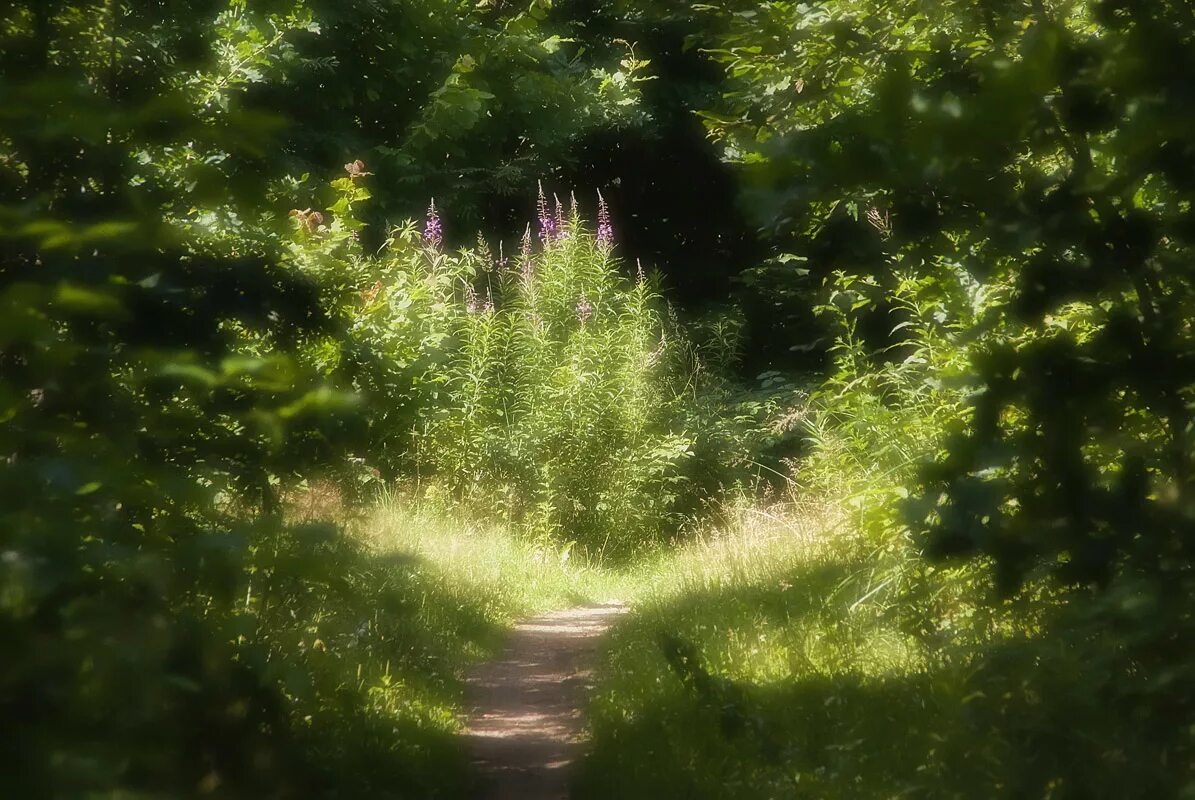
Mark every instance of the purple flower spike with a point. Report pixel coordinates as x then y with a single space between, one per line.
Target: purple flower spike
525 244
525 266
547 223
584 310
561 220
433 231
605 231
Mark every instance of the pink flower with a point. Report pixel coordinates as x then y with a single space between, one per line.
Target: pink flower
605 231
561 220
525 266
547 222
433 231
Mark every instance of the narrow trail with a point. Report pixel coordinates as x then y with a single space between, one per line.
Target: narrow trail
527 724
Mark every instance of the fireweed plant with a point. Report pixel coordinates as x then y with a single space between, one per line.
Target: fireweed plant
544 387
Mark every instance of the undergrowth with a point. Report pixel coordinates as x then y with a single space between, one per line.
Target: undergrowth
337 670
372 660
811 648
792 655
543 387
483 565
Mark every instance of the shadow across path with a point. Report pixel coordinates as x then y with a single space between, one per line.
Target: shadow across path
527 724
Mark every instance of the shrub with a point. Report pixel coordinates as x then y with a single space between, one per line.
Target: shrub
546 387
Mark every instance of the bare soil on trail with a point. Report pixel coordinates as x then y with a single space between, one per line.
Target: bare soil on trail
527 725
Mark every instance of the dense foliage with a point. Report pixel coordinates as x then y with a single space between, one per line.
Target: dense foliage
968 284
544 388
982 205
1036 148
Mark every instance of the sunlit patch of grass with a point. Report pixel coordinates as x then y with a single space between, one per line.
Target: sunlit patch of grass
801 653
370 629
484 565
770 616
778 591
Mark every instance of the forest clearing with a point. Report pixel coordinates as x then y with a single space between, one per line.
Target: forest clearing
597 399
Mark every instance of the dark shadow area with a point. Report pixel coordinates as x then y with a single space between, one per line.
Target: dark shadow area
326 670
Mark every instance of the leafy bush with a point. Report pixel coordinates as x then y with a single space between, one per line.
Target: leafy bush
1032 145
543 387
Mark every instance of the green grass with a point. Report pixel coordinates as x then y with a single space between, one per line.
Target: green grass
484 567
367 634
795 653
793 656
765 623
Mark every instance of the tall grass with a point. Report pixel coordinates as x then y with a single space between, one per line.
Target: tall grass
483 565
728 678
793 655
356 639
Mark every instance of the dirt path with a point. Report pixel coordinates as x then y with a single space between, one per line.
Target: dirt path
527 724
